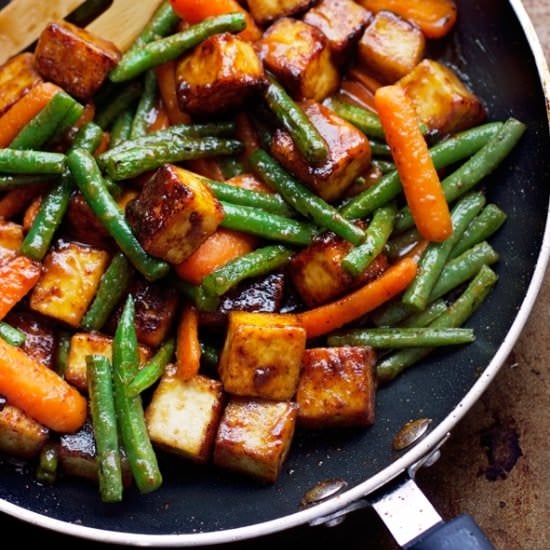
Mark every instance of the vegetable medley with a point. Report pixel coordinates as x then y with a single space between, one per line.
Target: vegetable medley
237 229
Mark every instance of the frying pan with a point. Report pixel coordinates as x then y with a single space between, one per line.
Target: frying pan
494 45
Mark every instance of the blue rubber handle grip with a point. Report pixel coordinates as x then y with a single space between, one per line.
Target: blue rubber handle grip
460 533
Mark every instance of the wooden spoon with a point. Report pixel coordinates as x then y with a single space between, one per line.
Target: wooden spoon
22 21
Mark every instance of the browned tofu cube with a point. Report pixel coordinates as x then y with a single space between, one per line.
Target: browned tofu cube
11 235
70 277
337 387
262 355
318 276
349 153
341 21
219 75
183 416
442 100
266 11
254 437
175 212
300 57
20 435
17 76
90 343
391 47
74 58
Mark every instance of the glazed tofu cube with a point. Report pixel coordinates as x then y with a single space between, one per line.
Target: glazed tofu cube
11 235
74 58
349 153
254 437
391 47
318 276
17 76
183 416
219 75
262 355
266 11
337 387
442 100
20 435
70 277
300 57
174 213
341 21
90 343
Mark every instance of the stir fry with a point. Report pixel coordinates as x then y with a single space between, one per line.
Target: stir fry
235 230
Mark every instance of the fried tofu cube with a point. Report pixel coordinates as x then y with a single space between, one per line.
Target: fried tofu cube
183 416
349 153
341 21
442 100
74 58
219 75
317 274
266 11
262 355
391 47
11 235
91 343
175 212
20 435
337 387
254 437
17 76
70 277
300 57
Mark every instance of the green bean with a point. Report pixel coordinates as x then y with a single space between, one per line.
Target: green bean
261 223
402 337
489 220
307 138
13 181
89 137
153 370
149 55
445 153
231 167
141 122
15 161
197 295
425 317
258 262
380 149
62 352
104 424
376 237
131 421
48 462
399 245
455 316
135 161
121 128
112 286
480 165
384 166
89 180
436 254
367 121
75 111
11 335
119 101
303 199
209 355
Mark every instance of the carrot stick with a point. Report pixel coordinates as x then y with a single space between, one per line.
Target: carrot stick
419 178
219 248
434 17
18 276
329 317
24 110
40 391
166 81
188 348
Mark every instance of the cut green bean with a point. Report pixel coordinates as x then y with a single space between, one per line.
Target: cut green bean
231 167
380 149
13 181
11 335
403 337
376 236
367 121
119 101
104 424
197 295
425 317
258 262
112 287
15 161
153 370
146 103
89 180
303 200
307 138
121 128
48 462
62 352
147 56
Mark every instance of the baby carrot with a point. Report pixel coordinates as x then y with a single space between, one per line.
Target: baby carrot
329 317
18 275
419 178
188 348
40 391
